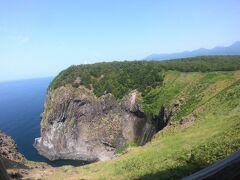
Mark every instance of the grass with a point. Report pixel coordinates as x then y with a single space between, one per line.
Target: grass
123 149
195 88
179 151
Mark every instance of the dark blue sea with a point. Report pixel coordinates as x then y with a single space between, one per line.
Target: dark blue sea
21 103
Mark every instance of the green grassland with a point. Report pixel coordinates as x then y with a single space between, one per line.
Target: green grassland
213 97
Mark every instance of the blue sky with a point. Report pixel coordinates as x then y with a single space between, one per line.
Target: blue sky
39 38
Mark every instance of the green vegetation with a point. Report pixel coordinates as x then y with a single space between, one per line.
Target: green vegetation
119 78
122 149
194 87
203 64
210 88
178 151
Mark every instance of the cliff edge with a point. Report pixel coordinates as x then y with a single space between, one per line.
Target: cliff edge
78 125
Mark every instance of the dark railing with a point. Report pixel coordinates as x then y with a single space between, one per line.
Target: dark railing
229 169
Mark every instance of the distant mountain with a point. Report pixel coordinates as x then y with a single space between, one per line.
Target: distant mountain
234 49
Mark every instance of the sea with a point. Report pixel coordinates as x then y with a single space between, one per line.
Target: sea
21 103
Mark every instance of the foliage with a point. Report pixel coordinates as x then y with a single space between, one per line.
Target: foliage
203 64
119 78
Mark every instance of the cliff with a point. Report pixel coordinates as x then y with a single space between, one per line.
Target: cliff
93 110
8 149
78 125
204 129
13 165
201 108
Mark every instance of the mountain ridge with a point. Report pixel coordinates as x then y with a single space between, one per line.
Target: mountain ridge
233 49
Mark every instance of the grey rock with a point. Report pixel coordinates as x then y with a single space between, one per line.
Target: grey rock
186 121
176 106
77 125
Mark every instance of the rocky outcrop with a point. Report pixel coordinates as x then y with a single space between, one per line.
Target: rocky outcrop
176 106
78 125
187 121
13 165
8 149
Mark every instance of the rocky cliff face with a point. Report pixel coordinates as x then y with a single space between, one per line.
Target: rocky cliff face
78 125
8 149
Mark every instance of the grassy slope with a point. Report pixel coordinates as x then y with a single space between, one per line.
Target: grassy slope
214 98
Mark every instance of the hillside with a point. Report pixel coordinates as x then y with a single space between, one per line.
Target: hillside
201 94
179 150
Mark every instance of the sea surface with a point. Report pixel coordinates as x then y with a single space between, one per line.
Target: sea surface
21 103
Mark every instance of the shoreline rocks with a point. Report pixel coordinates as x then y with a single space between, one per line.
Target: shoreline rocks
8 149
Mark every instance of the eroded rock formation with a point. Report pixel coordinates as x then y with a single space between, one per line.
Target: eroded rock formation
78 125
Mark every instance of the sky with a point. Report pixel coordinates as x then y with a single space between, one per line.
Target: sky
39 38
